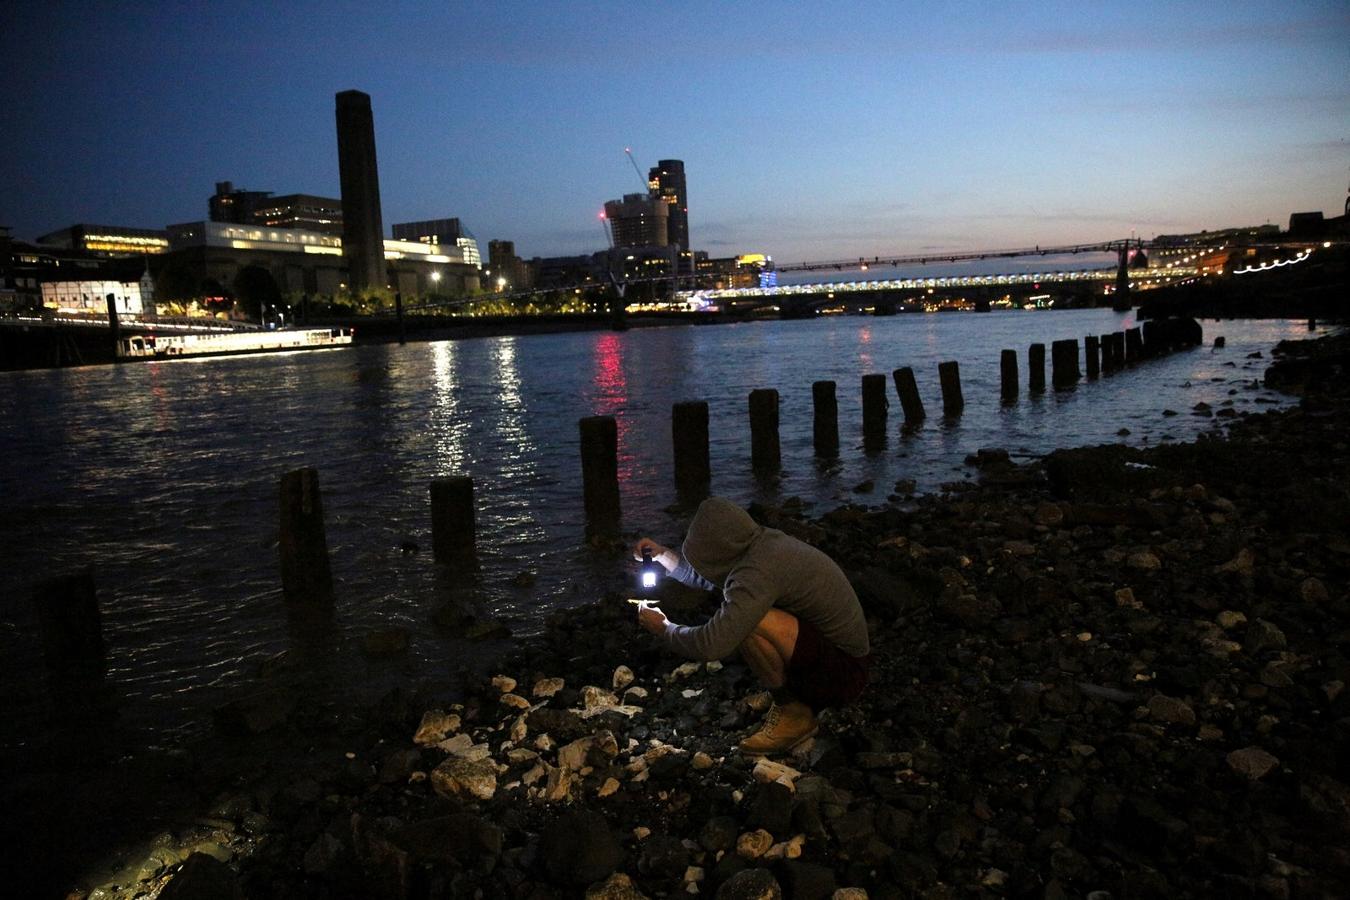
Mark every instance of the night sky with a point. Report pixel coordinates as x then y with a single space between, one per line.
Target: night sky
819 131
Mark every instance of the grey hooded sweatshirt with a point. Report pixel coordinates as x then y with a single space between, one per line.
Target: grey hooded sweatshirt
758 569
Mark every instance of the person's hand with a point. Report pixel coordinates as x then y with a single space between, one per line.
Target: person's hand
651 618
668 559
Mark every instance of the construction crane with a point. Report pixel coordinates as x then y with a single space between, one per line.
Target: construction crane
636 168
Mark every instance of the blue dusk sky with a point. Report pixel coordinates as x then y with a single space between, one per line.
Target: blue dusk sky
808 130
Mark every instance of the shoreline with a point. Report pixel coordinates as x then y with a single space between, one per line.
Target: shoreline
1084 667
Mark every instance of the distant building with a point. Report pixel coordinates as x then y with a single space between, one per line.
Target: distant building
358 170
303 211
109 240
230 205
505 265
302 262
567 271
639 220
91 296
744 271
441 232
666 181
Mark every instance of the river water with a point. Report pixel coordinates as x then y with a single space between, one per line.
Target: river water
163 476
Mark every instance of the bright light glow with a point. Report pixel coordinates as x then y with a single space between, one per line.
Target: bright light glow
649 579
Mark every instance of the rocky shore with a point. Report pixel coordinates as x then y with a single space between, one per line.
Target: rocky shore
1111 673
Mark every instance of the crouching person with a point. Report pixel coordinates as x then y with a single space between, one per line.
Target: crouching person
786 606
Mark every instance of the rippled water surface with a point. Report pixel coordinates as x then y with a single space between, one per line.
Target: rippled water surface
163 476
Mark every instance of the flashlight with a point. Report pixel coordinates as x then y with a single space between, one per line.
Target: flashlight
648 571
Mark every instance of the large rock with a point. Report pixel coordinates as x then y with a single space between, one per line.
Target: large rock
1252 762
751 884
203 878
579 848
466 778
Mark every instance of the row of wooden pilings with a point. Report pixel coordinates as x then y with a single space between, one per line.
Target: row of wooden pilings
69 611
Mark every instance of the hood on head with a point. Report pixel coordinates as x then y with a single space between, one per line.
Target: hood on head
718 537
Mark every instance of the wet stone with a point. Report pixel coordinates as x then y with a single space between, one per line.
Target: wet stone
750 884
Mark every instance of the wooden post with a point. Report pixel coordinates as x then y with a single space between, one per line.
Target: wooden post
1134 346
1064 361
398 310
689 433
1036 365
765 455
1093 354
114 326
1312 324
305 574
949 374
600 473
454 533
826 424
70 624
1007 366
874 405
908 390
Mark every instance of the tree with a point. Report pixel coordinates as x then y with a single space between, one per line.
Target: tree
255 290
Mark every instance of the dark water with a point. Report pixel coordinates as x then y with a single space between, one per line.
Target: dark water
163 476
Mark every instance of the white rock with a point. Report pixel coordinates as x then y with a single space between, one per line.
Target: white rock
519 729
514 701
504 683
521 755
623 677
684 670
543 743
593 697
849 893
609 788
635 693
713 665
642 832
701 761
690 693
558 787
536 772
767 771
693 873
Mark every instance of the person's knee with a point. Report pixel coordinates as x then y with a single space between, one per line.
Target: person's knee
775 622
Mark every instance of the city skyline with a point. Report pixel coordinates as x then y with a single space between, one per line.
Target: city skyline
869 130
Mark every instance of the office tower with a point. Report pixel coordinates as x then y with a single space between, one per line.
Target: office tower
441 232
362 228
638 220
666 180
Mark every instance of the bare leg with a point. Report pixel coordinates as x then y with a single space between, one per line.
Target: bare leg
768 649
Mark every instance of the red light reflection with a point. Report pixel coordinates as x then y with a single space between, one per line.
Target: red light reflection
611 396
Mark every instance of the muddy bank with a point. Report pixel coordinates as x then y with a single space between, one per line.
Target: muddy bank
1117 671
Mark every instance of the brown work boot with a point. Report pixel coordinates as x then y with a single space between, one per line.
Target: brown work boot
784 727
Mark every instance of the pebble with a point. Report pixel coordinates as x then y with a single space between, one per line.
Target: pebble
1162 708
1252 762
547 687
504 683
1144 561
622 678
435 726
753 844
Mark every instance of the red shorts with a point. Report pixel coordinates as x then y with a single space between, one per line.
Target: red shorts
820 674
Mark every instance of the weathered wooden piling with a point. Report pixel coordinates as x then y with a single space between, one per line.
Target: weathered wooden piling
765 454
1007 368
689 434
1092 354
1219 342
825 426
454 532
949 375
305 573
1064 363
70 624
874 405
1312 324
114 327
908 389
1155 343
1134 346
1108 355
1036 367
600 473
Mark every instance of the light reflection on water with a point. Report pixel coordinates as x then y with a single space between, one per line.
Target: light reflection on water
163 476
